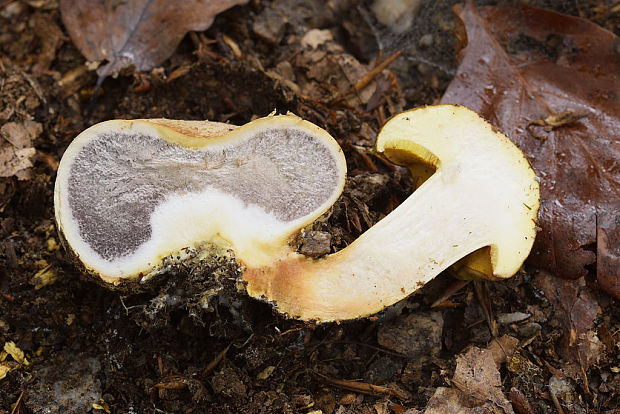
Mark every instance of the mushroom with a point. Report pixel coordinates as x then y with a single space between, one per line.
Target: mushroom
163 189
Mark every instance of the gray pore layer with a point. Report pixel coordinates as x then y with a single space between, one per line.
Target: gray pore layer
119 178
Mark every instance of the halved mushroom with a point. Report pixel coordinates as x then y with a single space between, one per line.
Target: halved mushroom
129 194
133 198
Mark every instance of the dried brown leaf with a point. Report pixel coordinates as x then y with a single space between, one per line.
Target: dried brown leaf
477 376
502 348
453 400
523 64
16 148
142 33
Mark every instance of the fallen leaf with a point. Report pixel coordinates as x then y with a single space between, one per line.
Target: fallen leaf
477 376
452 400
18 355
608 246
5 368
523 64
502 348
16 162
576 309
16 150
142 33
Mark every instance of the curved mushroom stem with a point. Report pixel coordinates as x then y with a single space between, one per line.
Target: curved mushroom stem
483 193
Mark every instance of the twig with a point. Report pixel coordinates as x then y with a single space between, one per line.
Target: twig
554 398
16 409
553 121
376 348
483 298
363 387
173 382
216 361
455 287
614 8
34 85
586 385
369 76
7 297
93 99
246 342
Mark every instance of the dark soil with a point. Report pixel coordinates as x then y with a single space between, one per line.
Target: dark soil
92 349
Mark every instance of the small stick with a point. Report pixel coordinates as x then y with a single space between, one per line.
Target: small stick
216 361
556 402
483 298
93 99
363 387
173 382
371 74
454 288
16 409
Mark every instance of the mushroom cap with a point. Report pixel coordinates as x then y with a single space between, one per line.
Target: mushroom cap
491 171
133 196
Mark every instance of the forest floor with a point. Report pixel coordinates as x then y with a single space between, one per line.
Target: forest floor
68 345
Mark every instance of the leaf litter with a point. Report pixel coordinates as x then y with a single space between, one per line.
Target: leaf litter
17 130
550 82
142 33
239 75
524 68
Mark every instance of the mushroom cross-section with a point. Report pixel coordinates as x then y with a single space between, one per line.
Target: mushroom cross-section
131 193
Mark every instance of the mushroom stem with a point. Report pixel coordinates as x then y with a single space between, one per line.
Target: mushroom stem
483 193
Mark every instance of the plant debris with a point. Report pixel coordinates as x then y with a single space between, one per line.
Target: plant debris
185 346
141 33
477 376
523 67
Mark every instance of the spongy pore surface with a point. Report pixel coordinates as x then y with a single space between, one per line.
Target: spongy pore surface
119 178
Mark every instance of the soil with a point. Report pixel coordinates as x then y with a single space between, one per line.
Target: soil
168 348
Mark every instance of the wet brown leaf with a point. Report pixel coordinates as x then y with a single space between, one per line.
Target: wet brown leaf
576 309
142 33
525 69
